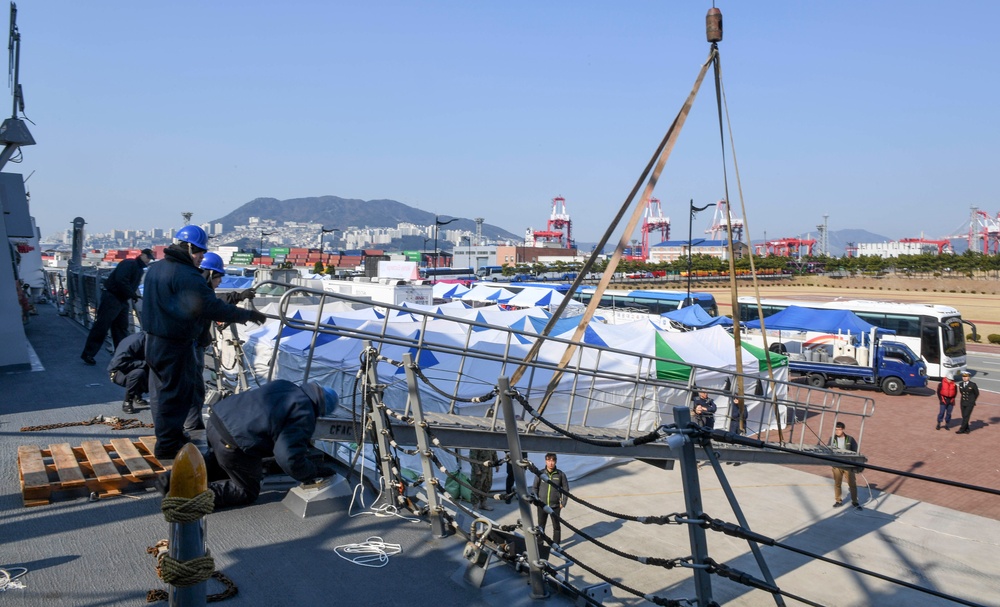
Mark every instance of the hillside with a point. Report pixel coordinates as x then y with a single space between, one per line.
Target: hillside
345 213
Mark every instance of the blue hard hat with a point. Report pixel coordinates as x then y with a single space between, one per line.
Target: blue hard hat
213 262
193 235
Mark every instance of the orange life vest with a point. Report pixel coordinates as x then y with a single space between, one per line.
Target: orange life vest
948 387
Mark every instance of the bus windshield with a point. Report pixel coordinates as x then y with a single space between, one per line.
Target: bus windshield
953 337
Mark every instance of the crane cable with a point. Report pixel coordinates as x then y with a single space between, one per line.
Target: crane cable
659 159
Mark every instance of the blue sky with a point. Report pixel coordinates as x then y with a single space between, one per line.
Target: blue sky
881 115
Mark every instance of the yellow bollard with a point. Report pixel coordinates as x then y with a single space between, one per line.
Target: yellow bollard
185 506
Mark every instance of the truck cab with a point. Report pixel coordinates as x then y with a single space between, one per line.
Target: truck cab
898 367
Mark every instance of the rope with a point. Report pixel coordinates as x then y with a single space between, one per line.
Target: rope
184 574
645 560
632 442
373 552
116 423
735 530
654 166
8 579
188 510
652 598
668 519
160 553
475 399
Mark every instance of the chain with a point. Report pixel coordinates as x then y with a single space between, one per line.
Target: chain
116 423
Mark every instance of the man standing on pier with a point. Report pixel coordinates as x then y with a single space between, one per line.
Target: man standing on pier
844 442
970 392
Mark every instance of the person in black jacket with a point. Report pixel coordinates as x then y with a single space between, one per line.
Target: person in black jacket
176 300
550 496
845 442
213 271
970 393
276 419
112 313
703 409
128 369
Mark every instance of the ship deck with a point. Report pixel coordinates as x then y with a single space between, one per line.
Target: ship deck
81 552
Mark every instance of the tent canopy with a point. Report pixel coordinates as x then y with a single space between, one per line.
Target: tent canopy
484 293
696 316
795 318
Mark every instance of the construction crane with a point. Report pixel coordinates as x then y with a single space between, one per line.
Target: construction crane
652 220
558 220
984 232
785 247
718 228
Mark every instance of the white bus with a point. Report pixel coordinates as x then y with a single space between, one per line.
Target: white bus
933 331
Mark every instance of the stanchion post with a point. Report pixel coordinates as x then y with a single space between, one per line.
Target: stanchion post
521 484
434 508
692 502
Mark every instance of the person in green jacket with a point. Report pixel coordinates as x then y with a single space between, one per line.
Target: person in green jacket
550 496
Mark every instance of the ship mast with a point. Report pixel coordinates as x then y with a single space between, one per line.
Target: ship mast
13 132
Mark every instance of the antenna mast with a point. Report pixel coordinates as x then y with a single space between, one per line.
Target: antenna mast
13 132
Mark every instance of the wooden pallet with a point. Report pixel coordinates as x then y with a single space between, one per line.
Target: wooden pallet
62 471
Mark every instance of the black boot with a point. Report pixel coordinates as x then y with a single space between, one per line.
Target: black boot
127 405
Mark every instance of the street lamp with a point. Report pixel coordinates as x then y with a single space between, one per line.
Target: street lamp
437 224
260 249
423 251
468 251
694 211
323 231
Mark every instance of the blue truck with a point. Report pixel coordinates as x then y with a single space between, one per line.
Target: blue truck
893 367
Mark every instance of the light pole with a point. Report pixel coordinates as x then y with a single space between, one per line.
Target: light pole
424 250
260 249
694 211
322 232
437 224
468 251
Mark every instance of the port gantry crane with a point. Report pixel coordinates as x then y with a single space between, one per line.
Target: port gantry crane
558 220
653 220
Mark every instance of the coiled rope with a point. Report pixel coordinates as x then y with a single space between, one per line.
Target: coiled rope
184 574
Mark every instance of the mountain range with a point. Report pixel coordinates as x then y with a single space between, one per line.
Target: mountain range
346 213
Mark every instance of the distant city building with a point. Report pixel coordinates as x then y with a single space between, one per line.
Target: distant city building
906 246
672 250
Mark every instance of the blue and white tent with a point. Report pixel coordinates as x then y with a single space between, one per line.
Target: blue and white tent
696 317
795 318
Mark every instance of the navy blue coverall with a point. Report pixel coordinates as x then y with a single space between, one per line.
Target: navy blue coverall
276 419
128 366
176 299
112 313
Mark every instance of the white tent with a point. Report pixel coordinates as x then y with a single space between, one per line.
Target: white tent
632 375
487 294
446 290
